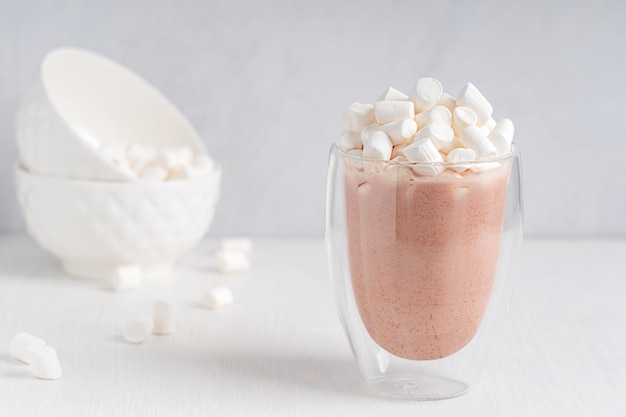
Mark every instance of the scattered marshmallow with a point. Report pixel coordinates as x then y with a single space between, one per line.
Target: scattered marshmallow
379 146
22 343
350 140
126 278
470 97
138 330
392 110
231 261
163 317
461 118
440 134
392 94
473 138
400 130
423 150
367 132
44 362
439 114
459 155
242 244
217 297
426 94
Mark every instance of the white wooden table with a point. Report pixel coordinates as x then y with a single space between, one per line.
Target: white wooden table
280 351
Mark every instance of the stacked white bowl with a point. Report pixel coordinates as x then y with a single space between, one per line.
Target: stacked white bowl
95 211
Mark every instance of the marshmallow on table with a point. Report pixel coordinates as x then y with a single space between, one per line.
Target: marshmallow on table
461 118
392 94
350 140
439 114
126 278
231 261
440 134
44 362
217 297
367 132
459 155
138 330
22 343
400 130
473 138
163 317
426 94
359 116
423 150
447 101
392 110
242 244
379 146
470 97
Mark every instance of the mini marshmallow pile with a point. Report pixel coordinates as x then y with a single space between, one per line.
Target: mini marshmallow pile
233 255
33 350
428 125
146 163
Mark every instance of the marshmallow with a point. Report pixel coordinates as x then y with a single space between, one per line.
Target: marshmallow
423 150
484 129
400 131
505 126
217 297
502 136
461 118
473 138
378 146
242 244
367 132
172 158
470 97
454 144
440 134
460 155
350 140
114 152
491 123
231 261
392 110
201 165
398 150
360 116
346 118
163 317
392 94
439 114
154 173
186 171
22 343
140 155
426 94
447 101
138 330
358 154
126 278
44 362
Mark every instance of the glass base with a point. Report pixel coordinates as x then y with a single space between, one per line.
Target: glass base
425 387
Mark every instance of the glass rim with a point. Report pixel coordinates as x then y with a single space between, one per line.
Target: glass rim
499 158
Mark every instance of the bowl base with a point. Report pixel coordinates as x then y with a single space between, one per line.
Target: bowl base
105 271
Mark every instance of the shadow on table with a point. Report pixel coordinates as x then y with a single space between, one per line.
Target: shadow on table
329 374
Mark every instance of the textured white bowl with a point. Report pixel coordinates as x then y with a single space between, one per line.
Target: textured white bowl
77 96
94 227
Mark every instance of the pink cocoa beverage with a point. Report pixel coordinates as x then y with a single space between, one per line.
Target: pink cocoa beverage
423 252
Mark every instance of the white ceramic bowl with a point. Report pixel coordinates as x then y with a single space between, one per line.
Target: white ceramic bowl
78 96
94 227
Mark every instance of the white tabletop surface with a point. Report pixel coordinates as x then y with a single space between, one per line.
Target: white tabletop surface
280 350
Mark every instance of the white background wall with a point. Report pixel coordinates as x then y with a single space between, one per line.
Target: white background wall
265 83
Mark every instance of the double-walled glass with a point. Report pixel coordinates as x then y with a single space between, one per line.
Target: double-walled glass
423 257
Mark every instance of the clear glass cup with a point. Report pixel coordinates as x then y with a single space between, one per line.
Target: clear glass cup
423 258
